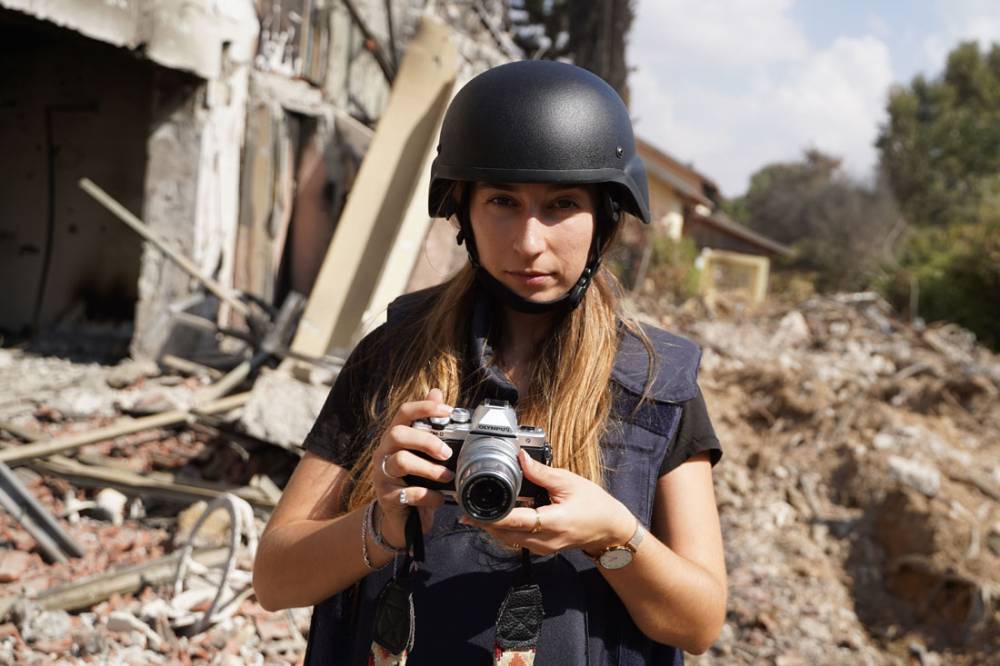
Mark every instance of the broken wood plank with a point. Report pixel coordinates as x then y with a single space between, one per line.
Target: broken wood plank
162 485
94 589
381 194
121 427
54 542
188 367
143 230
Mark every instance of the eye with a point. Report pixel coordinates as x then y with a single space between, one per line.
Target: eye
501 200
565 203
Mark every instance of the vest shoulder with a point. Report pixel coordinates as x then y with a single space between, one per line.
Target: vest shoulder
675 364
411 307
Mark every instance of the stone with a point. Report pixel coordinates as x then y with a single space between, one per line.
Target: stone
45 626
125 621
13 564
130 371
922 476
793 331
993 539
214 532
883 441
113 504
282 409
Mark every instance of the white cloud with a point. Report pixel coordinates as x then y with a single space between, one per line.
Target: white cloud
764 101
962 20
704 30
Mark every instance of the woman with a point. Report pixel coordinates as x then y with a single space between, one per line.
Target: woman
536 164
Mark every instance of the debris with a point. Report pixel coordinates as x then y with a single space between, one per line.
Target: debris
113 504
89 591
122 427
924 478
125 621
214 530
282 409
160 485
18 501
13 564
130 371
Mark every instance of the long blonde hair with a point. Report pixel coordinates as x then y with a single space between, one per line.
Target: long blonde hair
569 390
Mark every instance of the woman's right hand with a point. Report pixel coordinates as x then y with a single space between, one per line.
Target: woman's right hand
394 458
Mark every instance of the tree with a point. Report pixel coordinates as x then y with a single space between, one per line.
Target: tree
941 144
590 34
941 151
841 229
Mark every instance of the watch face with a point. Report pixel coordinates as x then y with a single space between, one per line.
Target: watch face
616 558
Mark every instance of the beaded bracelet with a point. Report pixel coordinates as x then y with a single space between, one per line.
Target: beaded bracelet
364 535
379 539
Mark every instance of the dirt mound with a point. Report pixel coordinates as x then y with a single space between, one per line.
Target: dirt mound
860 489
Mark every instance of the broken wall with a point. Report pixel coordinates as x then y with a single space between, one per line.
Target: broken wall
71 107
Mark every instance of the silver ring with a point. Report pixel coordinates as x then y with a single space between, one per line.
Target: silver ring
382 466
402 497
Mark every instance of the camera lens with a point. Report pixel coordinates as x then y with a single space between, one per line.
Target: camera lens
488 477
487 497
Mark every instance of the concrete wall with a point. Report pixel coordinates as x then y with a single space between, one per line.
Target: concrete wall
69 107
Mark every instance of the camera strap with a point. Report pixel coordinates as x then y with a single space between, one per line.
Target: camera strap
519 621
392 635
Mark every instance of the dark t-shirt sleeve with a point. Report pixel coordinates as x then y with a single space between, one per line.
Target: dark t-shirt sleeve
694 435
341 431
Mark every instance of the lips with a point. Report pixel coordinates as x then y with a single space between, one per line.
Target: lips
530 278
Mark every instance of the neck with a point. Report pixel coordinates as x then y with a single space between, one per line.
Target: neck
523 335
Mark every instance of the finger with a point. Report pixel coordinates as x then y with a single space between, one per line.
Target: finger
416 496
403 463
414 439
520 519
516 540
435 395
550 478
420 409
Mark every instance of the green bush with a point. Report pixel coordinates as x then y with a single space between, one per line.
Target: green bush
956 271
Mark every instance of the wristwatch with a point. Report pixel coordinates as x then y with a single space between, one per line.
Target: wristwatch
616 557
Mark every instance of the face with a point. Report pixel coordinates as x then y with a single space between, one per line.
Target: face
533 237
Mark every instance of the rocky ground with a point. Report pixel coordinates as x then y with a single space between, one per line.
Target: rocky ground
860 487
859 494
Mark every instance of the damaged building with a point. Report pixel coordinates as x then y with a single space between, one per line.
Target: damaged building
233 130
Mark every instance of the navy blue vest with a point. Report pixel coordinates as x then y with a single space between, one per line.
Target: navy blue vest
466 575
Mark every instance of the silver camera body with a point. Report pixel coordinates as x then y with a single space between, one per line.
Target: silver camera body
488 478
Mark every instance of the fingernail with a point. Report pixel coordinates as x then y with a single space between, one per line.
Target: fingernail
448 476
444 410
446 451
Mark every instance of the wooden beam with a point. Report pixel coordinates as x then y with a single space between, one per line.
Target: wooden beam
162 485
125 426
94 589
382 192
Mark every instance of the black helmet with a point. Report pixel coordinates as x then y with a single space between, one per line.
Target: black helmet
539 121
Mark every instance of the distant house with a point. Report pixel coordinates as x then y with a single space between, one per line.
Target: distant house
686 203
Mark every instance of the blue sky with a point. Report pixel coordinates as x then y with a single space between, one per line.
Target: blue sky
732 85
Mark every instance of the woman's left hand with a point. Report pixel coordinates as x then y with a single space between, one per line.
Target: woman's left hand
581 515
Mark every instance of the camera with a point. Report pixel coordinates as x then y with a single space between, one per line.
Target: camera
488 479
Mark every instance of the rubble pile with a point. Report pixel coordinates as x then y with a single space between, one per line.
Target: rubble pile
131 504
860 487
859 494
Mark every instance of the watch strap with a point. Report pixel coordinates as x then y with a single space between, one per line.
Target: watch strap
632 544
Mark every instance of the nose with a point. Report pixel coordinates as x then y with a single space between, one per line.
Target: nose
529 235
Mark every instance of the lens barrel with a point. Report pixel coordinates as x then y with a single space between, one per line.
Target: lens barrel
488 477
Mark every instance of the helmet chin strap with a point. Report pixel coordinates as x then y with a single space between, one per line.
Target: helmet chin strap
565 303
